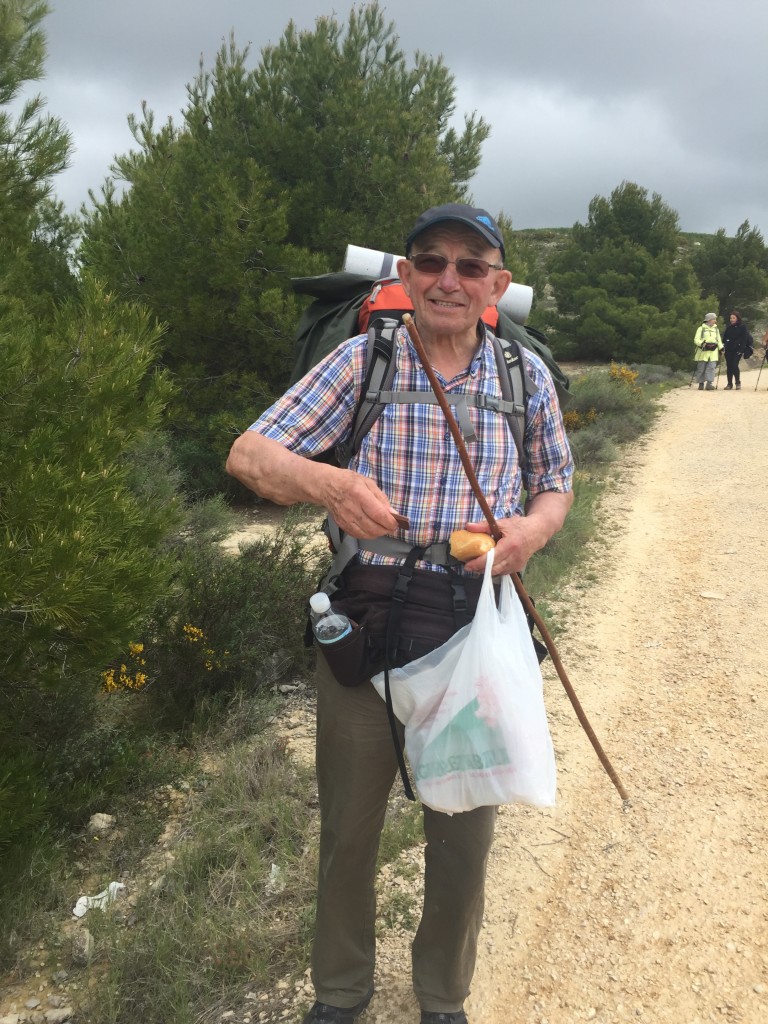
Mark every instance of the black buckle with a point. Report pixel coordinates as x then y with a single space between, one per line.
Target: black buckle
405 574
402 583
459 597
461 614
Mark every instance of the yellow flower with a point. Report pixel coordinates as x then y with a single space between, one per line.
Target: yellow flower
193 633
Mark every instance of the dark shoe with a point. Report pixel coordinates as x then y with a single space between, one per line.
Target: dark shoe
738 387
711 387
322 1013
701 387
457 1017
729 387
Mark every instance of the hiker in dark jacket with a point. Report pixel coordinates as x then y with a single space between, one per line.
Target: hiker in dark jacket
408 464
735 344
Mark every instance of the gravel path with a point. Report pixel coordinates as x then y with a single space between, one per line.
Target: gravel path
657 912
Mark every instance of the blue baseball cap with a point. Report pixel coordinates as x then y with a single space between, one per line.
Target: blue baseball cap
477 219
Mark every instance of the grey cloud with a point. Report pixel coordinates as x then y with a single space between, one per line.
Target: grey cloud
667 93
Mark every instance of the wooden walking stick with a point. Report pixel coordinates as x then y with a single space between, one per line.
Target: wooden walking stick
496 534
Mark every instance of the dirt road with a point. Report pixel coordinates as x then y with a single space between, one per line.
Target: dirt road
658 912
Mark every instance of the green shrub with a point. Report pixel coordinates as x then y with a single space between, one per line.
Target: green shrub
607 408
81 557
76 751
205 417
230 624
650 373
79 546
604 391
591 446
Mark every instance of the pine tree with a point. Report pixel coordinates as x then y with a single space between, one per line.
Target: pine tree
624 289
360 137
80 550
332 139
733 269
35 234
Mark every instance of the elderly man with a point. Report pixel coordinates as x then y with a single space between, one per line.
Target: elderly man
408 464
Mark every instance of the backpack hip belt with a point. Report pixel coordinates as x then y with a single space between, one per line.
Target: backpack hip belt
346 547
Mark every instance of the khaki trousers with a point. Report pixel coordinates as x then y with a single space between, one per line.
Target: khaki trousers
356 766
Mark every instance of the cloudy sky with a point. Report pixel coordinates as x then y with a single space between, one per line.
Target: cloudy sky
580 94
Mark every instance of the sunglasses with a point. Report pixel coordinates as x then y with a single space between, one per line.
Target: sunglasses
469 267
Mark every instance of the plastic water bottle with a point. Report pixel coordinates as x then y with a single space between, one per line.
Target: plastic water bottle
327 625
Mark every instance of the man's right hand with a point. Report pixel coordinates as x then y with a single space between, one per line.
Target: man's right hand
358 506
355 502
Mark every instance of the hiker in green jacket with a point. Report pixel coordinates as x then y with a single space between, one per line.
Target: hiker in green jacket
708 348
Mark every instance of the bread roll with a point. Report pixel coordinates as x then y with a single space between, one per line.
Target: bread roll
466 545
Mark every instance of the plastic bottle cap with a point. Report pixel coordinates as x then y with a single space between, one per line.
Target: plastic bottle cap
320 603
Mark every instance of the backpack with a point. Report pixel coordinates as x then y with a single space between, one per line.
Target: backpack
344 302
347 305
749 345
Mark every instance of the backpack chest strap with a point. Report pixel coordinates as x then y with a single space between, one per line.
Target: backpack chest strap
461 403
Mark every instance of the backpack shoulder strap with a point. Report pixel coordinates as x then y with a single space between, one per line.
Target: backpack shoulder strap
516 388
380 366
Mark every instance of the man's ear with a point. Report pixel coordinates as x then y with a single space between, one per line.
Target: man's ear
404 269
500 285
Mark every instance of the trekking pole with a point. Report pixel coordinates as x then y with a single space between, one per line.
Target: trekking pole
496 533
765 353
719 368
692 375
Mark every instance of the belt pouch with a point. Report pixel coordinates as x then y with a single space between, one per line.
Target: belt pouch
348 658
366 598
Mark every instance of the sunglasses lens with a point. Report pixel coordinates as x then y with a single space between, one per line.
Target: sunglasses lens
472 268
429 263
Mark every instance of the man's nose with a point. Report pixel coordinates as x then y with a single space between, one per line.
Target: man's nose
449 279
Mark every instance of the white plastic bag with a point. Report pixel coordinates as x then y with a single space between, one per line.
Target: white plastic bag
476 730
100 901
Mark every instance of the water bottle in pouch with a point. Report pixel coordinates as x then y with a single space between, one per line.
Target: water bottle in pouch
327 625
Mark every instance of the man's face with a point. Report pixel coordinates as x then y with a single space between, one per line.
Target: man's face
447 304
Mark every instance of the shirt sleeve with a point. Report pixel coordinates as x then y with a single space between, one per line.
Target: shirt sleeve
550 463
316 413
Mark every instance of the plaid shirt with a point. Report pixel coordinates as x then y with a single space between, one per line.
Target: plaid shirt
410 453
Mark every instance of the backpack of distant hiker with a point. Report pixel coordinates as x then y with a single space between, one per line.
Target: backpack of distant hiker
346 305
749 345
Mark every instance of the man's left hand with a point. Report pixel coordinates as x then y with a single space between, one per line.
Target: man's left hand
522 536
